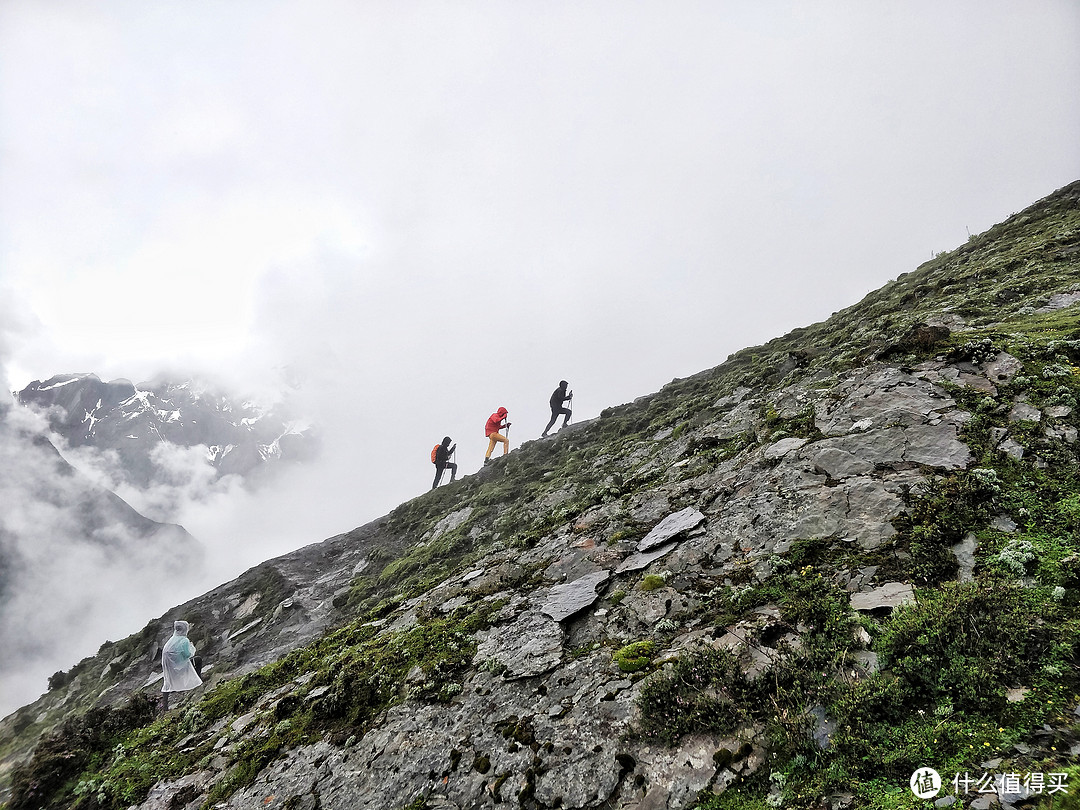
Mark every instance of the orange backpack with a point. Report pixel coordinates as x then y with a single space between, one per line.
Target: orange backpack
434 450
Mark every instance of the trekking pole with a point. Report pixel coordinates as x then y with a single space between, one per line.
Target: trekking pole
570 418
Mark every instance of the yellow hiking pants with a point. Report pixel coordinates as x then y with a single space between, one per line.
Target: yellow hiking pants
497 437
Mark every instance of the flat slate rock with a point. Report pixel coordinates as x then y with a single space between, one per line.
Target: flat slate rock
1022 412
936 446
676 523
964 551
1060 301
565 600
530 646
783 447
1003 368
1011 447
889 595
640 559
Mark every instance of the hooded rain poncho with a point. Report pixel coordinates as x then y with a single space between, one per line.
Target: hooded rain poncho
176 658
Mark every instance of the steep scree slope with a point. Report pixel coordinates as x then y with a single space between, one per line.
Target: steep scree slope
789 580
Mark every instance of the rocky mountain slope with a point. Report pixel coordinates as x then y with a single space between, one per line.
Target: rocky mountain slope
790 580
133 420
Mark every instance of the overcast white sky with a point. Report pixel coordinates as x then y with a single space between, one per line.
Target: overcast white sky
434 209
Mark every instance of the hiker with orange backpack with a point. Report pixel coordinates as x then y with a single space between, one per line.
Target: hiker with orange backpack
495 423
440 457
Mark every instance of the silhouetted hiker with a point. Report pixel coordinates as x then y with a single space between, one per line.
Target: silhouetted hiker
558 397
440 456
178 662
495 423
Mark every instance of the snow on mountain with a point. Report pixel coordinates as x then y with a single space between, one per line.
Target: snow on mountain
240 436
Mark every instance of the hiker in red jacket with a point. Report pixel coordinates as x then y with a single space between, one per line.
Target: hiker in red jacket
495 423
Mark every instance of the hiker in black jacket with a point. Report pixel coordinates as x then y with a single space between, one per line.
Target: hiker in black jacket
558 397
442 461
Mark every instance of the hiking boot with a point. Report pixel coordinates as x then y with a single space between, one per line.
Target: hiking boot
487 461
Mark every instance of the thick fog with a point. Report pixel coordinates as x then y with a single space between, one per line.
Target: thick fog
404 216
77 567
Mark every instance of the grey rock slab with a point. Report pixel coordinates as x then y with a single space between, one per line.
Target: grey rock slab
977 382
735 397
1011 448
1066 433
676 776
839 464
870 507
1002 368
450 522
530 646
1060 301
794 400
937 372
885 396
571 566
867 659
563 601
242 722
1058 411
244 629
964 551
889 595
1023 412
773 510
936 446
163 795
1003 523
950 320
588 775
740 419
884 446
783 447
645 507
823 729
450 605
674 524
641 559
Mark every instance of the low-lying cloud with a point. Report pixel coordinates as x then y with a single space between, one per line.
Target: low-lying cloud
78 567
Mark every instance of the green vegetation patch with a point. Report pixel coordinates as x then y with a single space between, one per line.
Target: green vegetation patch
636 656
966 644
652 582
82 742
109 759
704 691
948 665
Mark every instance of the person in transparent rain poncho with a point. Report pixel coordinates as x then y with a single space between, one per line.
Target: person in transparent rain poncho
177 662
